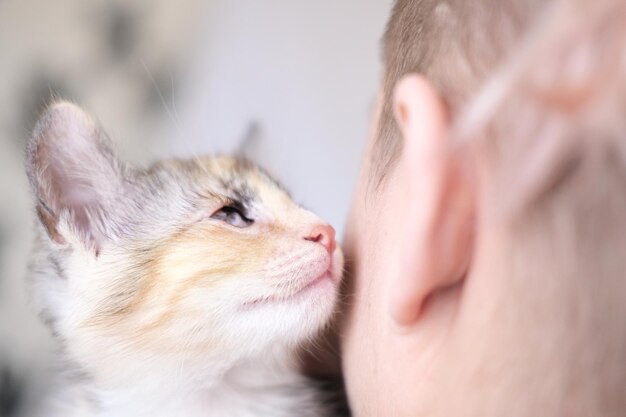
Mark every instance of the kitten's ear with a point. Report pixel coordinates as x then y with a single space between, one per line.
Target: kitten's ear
249 145
75 176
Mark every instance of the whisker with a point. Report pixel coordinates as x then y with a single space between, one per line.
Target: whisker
173 115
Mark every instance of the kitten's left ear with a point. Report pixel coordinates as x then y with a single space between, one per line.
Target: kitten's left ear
75 177
249 145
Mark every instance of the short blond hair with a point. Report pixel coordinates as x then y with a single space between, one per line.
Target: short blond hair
456 44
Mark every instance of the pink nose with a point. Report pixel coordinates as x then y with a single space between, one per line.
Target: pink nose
323 234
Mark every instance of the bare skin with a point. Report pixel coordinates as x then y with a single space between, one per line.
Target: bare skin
435 324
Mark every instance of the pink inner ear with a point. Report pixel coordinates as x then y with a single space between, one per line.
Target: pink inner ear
72 170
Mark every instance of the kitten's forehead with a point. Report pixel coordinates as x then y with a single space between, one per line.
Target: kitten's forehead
237 179
245 180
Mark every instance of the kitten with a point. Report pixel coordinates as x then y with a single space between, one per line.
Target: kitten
180 290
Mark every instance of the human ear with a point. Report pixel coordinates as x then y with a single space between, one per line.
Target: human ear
436 236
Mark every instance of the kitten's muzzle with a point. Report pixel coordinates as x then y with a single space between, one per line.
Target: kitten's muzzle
329 276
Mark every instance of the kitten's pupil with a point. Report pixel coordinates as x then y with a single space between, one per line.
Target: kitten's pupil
233 216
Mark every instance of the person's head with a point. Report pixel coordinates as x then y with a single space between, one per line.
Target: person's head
486 235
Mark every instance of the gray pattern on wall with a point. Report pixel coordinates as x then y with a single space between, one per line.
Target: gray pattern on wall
110 57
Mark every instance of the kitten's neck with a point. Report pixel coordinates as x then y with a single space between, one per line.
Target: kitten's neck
260 388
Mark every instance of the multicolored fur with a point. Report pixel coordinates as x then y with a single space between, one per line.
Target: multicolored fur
178 290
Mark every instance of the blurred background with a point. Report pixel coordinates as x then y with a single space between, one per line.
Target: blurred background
294 81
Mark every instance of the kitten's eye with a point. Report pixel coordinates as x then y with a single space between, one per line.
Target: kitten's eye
233 216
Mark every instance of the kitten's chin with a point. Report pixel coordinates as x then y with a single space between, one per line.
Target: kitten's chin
327 282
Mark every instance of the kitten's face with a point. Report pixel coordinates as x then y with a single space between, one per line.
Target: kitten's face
189 259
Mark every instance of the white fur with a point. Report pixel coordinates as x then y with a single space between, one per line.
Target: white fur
250 371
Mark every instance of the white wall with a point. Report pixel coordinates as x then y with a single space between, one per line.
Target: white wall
306 72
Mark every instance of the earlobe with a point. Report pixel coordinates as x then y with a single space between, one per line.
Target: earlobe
436 231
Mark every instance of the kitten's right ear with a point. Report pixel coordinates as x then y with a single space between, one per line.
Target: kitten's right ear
74 175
